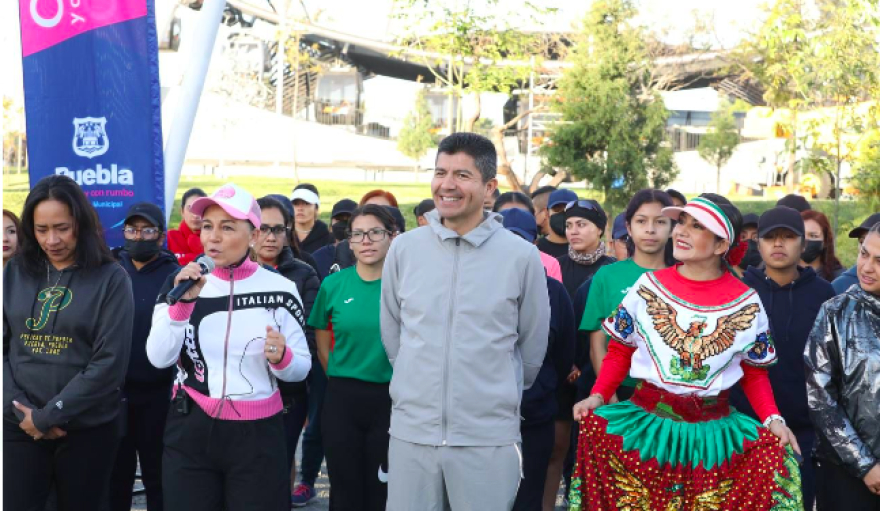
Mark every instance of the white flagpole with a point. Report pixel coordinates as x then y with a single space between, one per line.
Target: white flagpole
190 91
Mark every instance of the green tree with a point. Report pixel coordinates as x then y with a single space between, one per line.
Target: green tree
846 74
780 57
612 128
415 137
717 146
469 50
866 171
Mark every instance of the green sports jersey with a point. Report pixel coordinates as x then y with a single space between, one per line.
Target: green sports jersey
609 286
351 305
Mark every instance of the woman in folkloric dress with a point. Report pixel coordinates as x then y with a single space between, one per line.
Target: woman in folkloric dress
689 332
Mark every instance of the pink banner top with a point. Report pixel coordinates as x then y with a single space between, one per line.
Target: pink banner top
45 23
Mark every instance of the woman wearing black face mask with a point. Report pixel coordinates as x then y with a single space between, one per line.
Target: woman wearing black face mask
819 249
147 389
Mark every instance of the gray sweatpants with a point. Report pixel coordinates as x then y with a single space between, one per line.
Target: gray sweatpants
427 478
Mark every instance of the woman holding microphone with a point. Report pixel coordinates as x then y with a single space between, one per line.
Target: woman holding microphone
233 334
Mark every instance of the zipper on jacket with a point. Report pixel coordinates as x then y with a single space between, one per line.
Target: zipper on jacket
226 341
446 347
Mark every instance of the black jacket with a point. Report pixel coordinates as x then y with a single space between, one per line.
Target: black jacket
320 236
792 309
333 258
145 285
66 342
539 401
307 283
575 274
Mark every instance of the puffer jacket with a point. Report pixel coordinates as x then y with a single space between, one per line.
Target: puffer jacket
843 381
465 321
307 283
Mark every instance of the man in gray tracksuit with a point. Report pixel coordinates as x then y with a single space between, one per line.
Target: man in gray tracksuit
465 316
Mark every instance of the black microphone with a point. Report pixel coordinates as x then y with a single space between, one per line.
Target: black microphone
207 265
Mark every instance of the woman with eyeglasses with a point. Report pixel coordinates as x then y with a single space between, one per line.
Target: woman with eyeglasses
357 406
67 323
273 249
184 241
233 335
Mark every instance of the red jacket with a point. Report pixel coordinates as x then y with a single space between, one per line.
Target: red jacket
185 244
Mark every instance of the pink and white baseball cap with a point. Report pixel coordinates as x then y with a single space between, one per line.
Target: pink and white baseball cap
235 201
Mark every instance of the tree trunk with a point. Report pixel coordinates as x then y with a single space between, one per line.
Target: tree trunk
504 168
837 191
718 179
472 121
792 155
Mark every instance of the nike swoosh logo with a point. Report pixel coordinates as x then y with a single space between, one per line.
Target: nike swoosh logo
349 300
383 476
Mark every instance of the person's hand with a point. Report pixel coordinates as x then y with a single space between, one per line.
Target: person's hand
784 435
872 480
574 374
55 433
27 425
275 346
192 271
585 407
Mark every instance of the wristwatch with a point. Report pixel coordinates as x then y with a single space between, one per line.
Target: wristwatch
774 417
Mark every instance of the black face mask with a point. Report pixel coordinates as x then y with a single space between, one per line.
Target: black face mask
557 223
812 251
752 257
339 229
142 250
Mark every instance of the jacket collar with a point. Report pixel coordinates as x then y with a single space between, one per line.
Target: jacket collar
490 225
872 301
759 277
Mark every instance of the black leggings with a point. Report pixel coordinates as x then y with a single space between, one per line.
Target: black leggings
232 465
78 466
354 426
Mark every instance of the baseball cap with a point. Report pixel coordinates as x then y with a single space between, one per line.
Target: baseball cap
796 202
707 213
343 207
521 222
781 217
618 231
561 196
285 202
424 207
149 212
865 227
750 219
235 201
306 195
398 217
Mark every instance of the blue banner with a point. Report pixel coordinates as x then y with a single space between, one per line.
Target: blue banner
92 101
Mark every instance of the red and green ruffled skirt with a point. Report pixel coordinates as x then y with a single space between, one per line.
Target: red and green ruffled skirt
664 452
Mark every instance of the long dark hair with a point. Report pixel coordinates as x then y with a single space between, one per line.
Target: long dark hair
642 197
91 249
830 263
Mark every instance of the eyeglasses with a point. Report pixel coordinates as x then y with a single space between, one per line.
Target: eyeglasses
581 204
373 234
147 233
277 230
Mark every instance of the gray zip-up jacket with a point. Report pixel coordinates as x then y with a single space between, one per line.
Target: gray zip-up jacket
464 322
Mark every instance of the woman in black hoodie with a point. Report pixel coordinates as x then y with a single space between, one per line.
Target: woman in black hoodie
67 323
273 248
